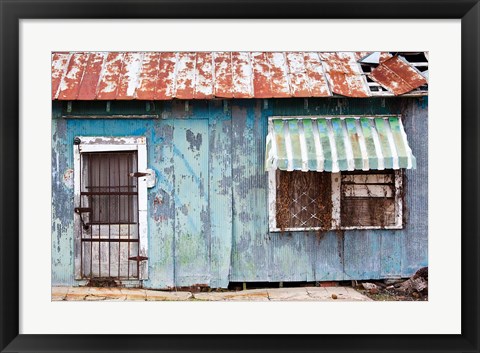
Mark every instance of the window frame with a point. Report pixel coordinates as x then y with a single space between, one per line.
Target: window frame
113 144
336 205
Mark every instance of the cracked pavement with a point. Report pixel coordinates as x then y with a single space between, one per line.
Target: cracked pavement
267 294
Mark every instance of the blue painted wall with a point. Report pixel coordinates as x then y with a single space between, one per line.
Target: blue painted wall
208 219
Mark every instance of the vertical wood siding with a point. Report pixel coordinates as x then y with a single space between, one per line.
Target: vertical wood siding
208 220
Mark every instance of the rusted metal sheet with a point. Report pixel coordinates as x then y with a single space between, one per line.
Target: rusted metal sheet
223 74
185 76
59 67
148 76
206 75
108 84
129 75
344 74
166 82
398 76
316 76
70 83
88 87
242 75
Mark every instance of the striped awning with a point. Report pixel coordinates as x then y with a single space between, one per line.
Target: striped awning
336 144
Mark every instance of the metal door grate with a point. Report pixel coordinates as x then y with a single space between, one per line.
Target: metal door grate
109 215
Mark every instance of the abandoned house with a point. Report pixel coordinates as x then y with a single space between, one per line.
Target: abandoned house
176 169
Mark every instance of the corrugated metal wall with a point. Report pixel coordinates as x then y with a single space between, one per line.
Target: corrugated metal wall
208 219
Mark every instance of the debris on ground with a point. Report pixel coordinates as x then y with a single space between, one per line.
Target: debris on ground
414 288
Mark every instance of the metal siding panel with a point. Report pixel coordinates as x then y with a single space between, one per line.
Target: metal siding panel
93 70
223 77
204 76
186 75
70 83
325 255
288 260
166 82
220 186
402 251
107 87
192 219
129 75
148 76
62 259
60 63
250 194
161 205
415 240
361 253
242 81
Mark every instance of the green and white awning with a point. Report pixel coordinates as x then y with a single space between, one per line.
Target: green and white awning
336 144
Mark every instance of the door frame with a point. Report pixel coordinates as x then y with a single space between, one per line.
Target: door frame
110 144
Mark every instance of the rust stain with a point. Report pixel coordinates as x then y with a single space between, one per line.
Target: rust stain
186 75
107 87
148 76
166 83
59 67
261 76
299 85
280 87
70 83
398 76
206 75
88 87
129 75
344 74
223 74
316 77
242 75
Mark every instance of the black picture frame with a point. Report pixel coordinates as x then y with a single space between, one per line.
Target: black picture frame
13 11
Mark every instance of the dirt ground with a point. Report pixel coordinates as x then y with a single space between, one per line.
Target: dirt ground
393 294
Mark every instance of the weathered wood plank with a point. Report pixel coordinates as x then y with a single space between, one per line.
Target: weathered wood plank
367 190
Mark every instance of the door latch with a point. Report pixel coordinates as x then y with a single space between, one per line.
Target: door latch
149 174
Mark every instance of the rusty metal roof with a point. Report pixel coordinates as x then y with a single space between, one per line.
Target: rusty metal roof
205 75
398 76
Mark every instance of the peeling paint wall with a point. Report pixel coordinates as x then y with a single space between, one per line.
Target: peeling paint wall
208 220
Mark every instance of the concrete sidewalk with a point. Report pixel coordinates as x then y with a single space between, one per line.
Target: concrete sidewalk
269 294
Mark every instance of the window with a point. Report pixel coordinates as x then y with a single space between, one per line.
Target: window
346 200
110 212
336 172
